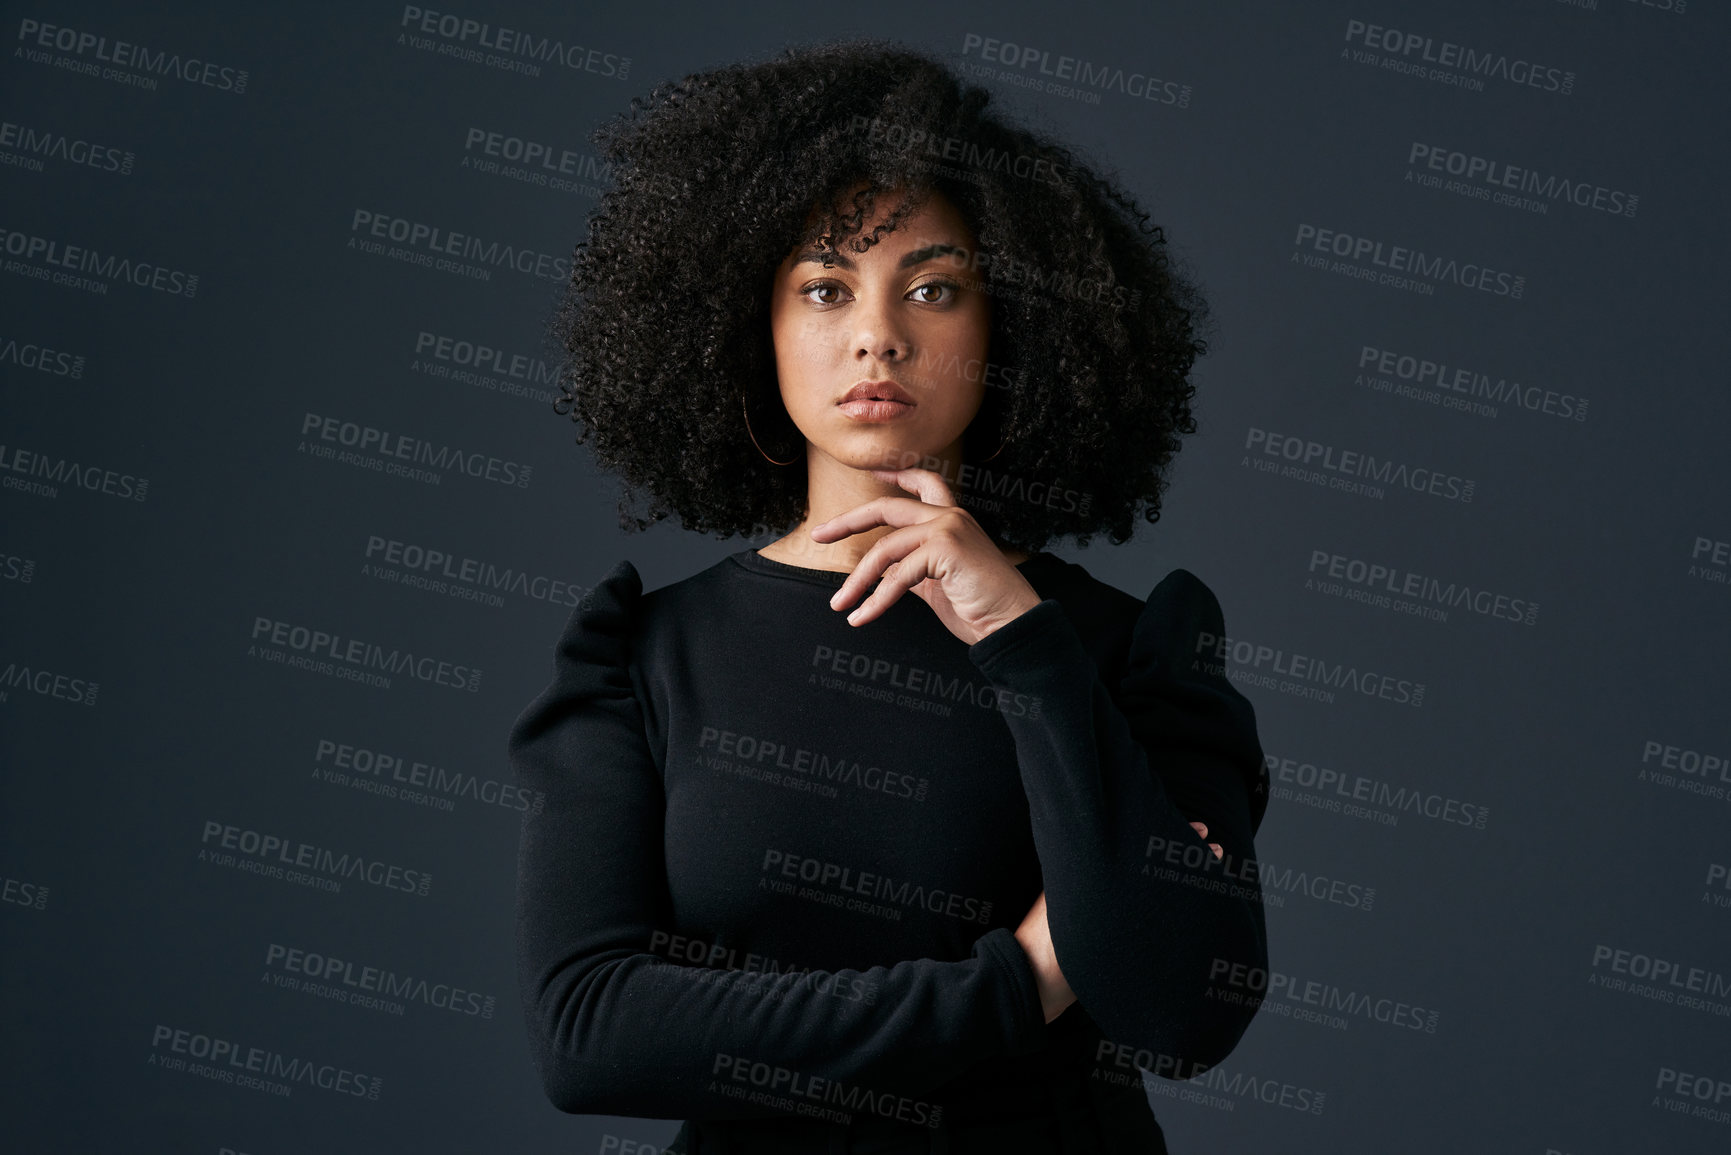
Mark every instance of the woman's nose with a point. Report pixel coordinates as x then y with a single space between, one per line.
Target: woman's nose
880 334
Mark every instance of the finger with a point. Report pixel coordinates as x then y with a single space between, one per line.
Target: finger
885 552
1201 828
901 574
927 483
1218 853
877 511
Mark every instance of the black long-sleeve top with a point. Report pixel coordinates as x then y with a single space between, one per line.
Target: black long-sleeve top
781 858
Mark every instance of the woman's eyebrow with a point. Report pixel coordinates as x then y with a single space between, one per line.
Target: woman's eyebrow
916 257
920 256
823 257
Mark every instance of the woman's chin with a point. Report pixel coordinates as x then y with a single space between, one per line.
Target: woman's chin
892 455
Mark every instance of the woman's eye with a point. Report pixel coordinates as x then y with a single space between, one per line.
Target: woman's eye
823 293
934 292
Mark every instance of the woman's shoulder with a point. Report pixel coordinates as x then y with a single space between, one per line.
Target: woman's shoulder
618 601
1164 673
1112 606
1176 578
1171 613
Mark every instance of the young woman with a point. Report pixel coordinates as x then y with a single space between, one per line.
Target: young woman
900 833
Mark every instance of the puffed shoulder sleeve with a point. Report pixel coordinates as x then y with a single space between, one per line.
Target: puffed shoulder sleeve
617 1029
1145 918
1180 704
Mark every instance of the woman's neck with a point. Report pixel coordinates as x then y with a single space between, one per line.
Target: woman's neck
833 488
797 548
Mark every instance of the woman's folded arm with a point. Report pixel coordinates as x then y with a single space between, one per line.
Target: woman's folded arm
617 1029
1152 931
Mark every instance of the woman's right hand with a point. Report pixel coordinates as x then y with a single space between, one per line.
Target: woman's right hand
1202 829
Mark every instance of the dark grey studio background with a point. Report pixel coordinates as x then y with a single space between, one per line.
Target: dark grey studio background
112 926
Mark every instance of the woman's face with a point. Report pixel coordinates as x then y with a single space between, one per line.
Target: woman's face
908 311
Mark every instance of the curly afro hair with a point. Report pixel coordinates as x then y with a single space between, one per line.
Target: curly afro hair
664 325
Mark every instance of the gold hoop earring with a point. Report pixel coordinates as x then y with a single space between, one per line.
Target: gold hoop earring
1000 447
753 436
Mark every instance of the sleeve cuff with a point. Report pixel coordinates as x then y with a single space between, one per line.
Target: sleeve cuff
1027 1018
1042 637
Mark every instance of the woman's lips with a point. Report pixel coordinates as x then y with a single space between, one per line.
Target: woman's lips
882 389
875 410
